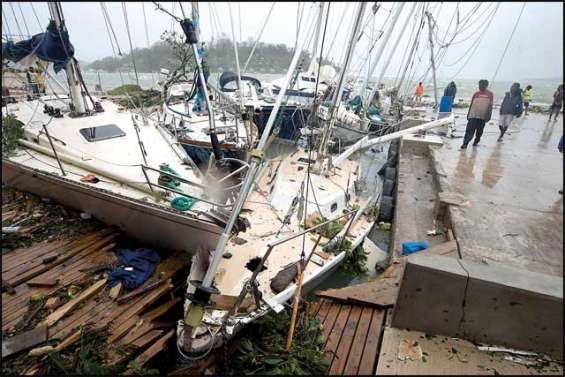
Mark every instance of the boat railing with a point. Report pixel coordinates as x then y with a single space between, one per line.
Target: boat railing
272 244
144 168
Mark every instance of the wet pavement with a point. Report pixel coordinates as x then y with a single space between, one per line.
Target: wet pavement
516 212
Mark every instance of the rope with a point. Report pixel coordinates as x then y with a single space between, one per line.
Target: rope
36 17
508 43
23 18
130 44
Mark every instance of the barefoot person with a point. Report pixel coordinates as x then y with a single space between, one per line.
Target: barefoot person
479 113
511 108
557 103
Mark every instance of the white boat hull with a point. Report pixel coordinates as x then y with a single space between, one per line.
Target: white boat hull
153 225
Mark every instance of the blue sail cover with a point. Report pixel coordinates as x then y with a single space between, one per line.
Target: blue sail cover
52 46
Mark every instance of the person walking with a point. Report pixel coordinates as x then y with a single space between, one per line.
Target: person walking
511 107
479 113
419 93
450 91
557 103
527 98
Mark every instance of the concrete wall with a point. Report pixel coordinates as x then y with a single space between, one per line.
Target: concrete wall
483 303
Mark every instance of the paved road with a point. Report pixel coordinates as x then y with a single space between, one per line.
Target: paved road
516 213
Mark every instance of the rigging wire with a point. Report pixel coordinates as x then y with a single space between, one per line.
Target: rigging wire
36 17
23 18
16 19
477 45
407 47
147 39
105 10
5 23
310 146
111 42
508 43
130 43
258 38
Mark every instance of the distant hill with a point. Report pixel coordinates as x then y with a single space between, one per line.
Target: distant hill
267 58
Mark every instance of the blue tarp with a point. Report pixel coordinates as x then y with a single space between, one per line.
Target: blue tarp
52 46
412 247
142 263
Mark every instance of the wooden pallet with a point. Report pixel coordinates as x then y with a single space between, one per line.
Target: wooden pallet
66 262
352 334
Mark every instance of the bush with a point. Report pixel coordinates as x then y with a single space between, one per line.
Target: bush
12 131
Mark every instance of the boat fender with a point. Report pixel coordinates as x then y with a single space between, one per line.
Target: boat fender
182 203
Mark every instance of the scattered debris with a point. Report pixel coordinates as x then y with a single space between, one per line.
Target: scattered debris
508 350
510 235
409 350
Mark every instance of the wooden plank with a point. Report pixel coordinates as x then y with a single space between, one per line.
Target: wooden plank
39 282
141 328
160 310
358 344
323 311
42 268
343 349
329 321
147 338
379 292
445 248
369 358
336 333
226 302
153 350
313 307
115 291
125 325
65 309
24 341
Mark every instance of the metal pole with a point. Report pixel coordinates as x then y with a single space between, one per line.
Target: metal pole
312 66
432 56
77 99
341 82
382 47
245 117
246 187
54 151
392 51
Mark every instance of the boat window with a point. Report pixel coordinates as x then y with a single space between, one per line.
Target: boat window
305 160
333 207
108 131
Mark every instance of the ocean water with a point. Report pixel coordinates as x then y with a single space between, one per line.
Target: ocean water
543 89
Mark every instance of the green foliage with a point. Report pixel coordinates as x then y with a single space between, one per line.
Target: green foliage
122 90
330 230
138 370
355 262
263 350
12 131
267 58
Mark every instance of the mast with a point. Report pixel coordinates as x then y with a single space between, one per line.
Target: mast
242 110
392 51
203 291
432 55
341 82
192 31
314 60
71 68
382 47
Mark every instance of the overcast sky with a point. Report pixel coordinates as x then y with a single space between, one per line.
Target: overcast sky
536 49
